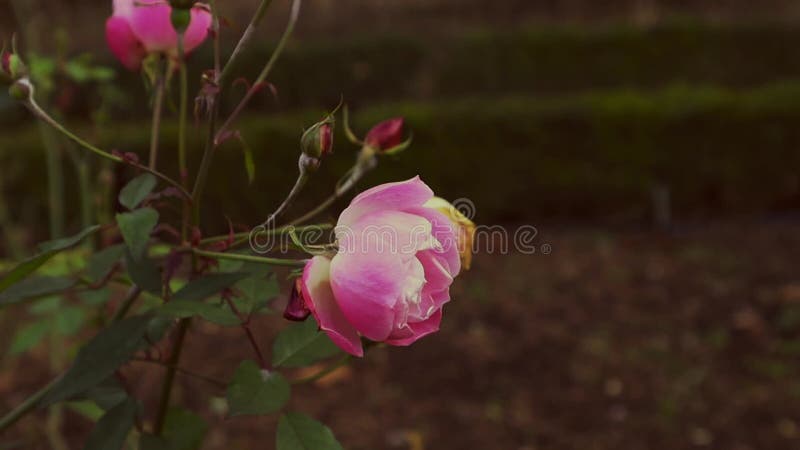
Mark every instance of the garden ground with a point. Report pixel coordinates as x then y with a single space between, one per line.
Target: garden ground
618 339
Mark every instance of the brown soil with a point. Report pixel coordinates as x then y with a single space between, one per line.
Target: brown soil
616 340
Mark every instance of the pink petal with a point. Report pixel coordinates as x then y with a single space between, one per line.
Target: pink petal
319 297
437 274
123 43
198 28
443 231
387 231
367 286
153 26
393 196
123 8
418 330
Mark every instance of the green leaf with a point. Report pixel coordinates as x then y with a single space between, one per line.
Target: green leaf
112 429
45 305
300 432
70 320
182 431
208 285
144 273
256 392
302 345
98 359
29 336
35 287
136 227
256 293
101 263
96 297
46 251
218 314
137 190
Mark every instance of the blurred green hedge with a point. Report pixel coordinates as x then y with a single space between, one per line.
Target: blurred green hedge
518 158
543 60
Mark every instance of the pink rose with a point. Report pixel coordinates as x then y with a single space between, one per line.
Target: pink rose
392 273
141 27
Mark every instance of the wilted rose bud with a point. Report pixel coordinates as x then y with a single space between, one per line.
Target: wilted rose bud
386 135
11 67
296 310
317 141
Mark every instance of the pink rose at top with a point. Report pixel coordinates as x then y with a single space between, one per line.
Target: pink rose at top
386 135
392 273
138 28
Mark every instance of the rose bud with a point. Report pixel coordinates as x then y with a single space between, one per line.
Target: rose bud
386 136
11 67
394 295
463 228
317 141
296 310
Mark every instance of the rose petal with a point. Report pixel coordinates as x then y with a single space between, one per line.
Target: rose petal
198 29
153 26
418 330
392 196
123 43
444 231
320 299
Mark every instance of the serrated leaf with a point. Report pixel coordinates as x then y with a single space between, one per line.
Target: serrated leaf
137 190
100 358
218 314
301 345
112 429
101 263
136 227
256 392
46 251
144 273
256 292
208 285
29 336
35 287
300 432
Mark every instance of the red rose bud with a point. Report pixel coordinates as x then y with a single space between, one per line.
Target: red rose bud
11 68
317 141
386 135
296 310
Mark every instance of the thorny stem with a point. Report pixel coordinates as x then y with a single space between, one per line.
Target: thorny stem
158 107
178 369
294 15
267 231
37 111
244 40
251 258
169 377
182 117
245 324
363 165
302 179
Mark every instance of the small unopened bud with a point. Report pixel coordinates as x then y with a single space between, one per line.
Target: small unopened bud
21 90
317 141
296 310
11 67
386 135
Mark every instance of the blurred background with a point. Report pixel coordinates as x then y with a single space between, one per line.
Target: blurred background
654 145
